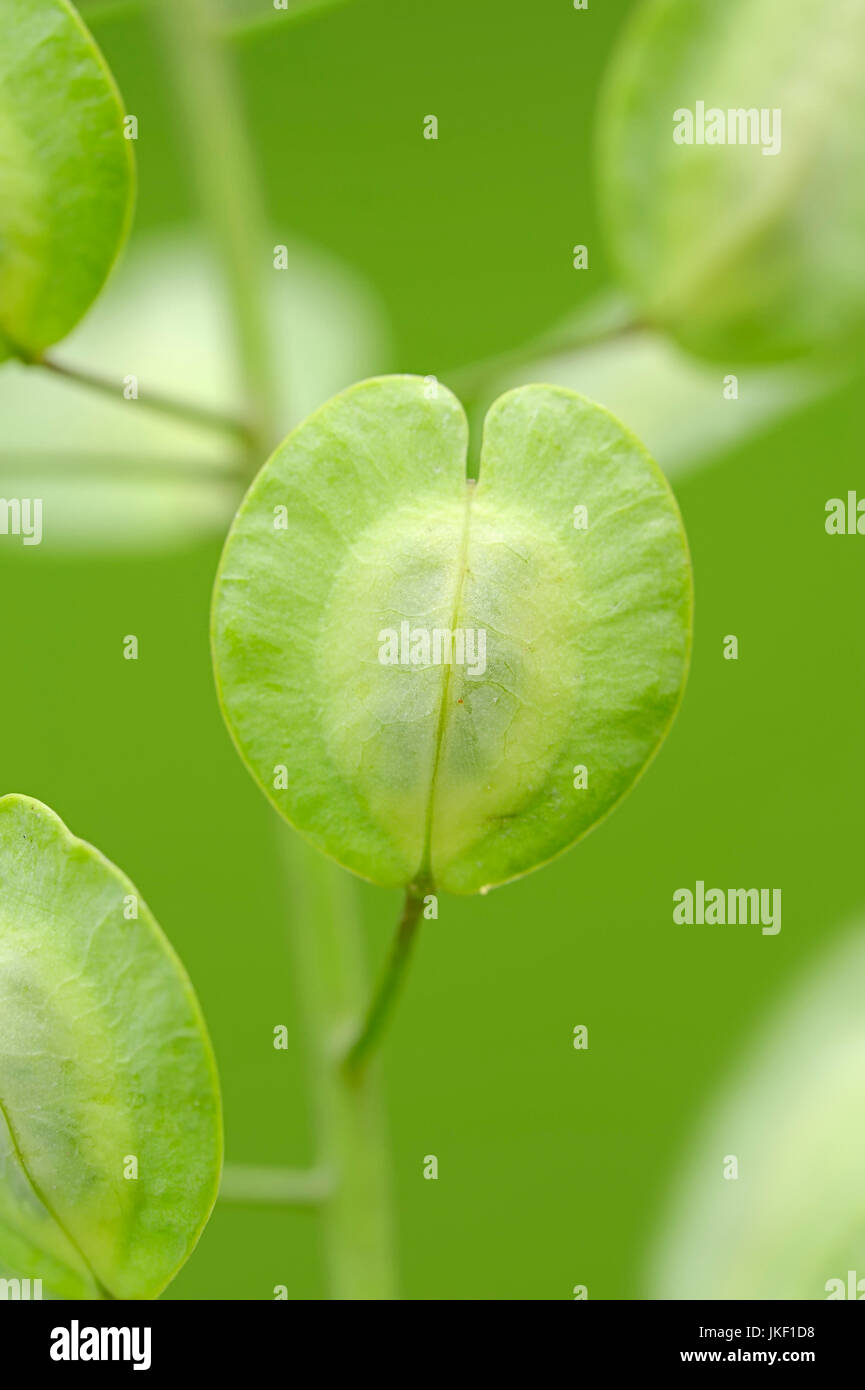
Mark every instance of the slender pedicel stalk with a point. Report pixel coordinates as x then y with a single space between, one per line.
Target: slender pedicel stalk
602 320
390 983
248 1183
166 405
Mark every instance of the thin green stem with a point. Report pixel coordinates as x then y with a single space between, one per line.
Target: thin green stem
602 320
348 1112
166 405
389 985
247 1183
229 193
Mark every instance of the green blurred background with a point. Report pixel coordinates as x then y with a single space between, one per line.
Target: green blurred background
555 1165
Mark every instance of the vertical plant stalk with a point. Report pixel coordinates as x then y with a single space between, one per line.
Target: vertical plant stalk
348 1108
229 194
325 938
